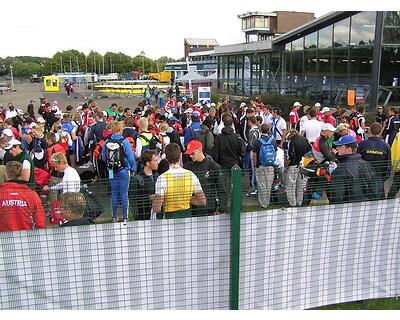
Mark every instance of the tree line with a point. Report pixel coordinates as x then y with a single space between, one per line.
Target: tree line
76 61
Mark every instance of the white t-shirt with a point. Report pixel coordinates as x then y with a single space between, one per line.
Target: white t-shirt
312 129
280 125
303 120
11 114
161 183
267 118
71 181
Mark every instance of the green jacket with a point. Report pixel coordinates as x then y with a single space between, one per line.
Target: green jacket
24 156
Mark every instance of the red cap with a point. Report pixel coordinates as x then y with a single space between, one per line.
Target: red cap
193 146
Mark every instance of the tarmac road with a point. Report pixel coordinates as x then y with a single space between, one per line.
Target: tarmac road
28 91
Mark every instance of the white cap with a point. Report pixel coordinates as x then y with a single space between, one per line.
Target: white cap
297 104
325 109
243 104
317 105
20 111
41 120
33 124
197 104
8 133
196 113
12 142
328 126
189 110
212 104
79 108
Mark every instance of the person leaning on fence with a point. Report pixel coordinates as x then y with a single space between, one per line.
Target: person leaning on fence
142 186
20 207
264 155
298 146
177 189
354 179
210 176
377 152
72 208
71 181
120 160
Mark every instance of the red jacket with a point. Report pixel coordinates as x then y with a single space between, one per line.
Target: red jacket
20 208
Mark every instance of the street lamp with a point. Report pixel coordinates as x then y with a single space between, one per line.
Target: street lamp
142 54
12 79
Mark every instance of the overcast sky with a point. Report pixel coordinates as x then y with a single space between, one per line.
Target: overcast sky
43 27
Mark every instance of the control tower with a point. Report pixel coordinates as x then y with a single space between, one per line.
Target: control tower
259 26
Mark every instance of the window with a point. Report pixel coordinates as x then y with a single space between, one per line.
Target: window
325 37
363 28
341 33
310 41
391 27
360 66
298 44
390 65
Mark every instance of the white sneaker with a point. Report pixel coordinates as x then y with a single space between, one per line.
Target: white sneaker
125 222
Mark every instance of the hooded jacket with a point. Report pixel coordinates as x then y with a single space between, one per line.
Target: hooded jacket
353 180
228 148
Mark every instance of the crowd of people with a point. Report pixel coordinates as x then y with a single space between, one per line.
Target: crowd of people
174 159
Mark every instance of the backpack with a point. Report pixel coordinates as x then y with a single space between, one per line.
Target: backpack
354 123
98 150
195 134
267 153
115 155
154 142
132 143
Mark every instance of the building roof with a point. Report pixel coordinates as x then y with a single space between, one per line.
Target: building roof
201 53
201 42
313 25
254 46
256 13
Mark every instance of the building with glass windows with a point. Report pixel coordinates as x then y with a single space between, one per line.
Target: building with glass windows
321 59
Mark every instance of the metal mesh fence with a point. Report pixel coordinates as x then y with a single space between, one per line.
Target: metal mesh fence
178 247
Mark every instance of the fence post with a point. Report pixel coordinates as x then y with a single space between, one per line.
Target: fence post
236 206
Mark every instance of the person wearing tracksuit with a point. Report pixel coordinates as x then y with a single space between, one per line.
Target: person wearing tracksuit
119 179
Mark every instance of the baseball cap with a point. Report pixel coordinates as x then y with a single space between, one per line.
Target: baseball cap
197 104
297 104
325 109
21 112
189 110
345 140
193 146
41 120
317 105
33 124
173 118
196 113
328 126
13 142
8 133
243 104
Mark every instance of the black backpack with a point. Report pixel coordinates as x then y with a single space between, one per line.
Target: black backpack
115 154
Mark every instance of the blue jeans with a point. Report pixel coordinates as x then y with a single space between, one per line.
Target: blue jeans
248 166
119 190
161 102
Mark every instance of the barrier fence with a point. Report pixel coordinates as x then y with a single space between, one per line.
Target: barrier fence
248 258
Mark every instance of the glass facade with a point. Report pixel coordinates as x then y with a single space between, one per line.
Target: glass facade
390 59
325 63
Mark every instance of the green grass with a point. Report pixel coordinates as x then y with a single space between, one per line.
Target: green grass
373 304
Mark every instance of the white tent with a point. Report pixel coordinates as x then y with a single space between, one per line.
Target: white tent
213 76
193 75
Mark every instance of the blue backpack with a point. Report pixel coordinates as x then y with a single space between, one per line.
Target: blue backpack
267 153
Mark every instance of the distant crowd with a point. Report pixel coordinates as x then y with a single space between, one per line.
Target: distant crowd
169 157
